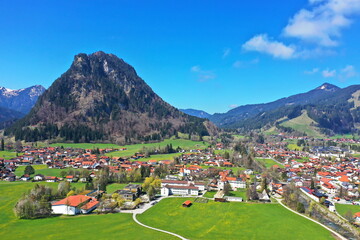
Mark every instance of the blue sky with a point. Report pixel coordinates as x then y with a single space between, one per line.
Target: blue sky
208 55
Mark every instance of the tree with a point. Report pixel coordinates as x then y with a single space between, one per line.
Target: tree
63 174
2 145
300 207
71 193
227 188
349 216
264 184
29 170
63 188
151 192
312 184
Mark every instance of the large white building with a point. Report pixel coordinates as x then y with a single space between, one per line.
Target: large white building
74 205
179 190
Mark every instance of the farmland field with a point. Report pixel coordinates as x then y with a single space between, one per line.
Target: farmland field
303 124
42 169
85 145
160 157
239 193
8 155
214 220
268 162
184 144
294 147
110 226
342 209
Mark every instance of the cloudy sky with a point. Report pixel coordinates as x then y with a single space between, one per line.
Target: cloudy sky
208 55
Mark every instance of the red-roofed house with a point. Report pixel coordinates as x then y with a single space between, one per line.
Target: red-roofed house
73 205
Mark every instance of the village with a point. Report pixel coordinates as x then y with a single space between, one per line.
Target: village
326 175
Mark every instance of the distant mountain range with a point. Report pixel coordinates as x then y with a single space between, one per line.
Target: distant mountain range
15 104
325 110
196 113
101 98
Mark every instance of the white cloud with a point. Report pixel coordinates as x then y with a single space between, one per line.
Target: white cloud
195 68
226 52
347 72
261 43
203 75
233 105
312 71
238 64
323 22
328 73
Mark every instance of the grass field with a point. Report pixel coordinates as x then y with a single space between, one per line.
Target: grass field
239 193
342 209
234 169
269 162
210 194
159 157
271 131
238 137
42 169
111 188
8 155
294 147
184 144
85 145
303 124
214 220
110 226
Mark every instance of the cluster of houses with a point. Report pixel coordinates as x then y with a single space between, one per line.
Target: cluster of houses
332 173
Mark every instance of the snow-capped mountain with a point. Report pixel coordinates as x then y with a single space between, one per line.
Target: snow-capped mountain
21 100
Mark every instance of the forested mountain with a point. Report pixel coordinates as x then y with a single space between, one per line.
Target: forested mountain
196 113
8 117
335 111
21 100
102 98
236 116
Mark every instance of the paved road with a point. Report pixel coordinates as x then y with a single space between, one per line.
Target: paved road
332 231
156 229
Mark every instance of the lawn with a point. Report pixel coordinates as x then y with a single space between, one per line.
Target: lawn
182 143
269 162
239 193
110 226
111 188
44 170
86 145
8 155
215 220
210 194
294 147
234 169
160 157
342 209
303 124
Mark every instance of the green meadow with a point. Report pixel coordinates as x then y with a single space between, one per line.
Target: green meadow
85 145
342 209
215 220
182 143
42 169
8 155
269 162
93 226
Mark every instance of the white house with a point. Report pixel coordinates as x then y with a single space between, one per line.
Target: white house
234 182
39 177
179 190
74 205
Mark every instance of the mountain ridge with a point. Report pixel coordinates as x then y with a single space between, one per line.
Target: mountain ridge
101 97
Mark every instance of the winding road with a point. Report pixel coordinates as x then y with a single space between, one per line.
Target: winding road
156 229
332 231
